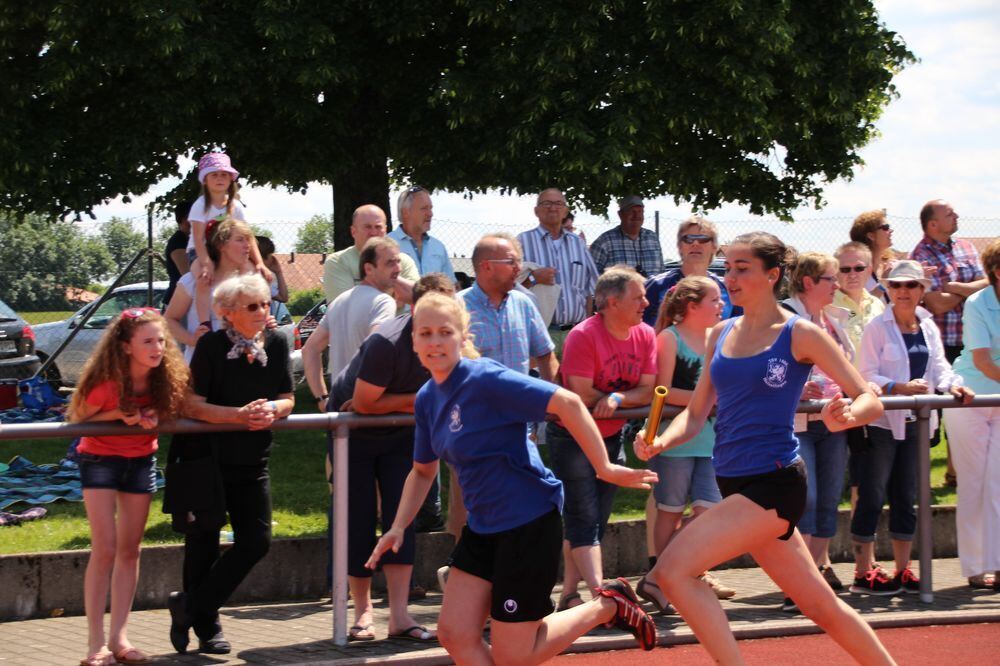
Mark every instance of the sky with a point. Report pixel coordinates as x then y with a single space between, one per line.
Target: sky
940 138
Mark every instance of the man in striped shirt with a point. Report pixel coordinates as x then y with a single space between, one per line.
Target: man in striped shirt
565 261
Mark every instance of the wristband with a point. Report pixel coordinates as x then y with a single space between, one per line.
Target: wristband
889 387
321 398
617 397
273 405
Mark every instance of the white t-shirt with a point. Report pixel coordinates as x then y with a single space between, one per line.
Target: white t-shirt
350 318
187 284
200 215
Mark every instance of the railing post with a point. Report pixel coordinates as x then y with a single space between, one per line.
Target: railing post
338 552
924 518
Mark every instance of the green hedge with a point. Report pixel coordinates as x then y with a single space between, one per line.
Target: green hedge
299 302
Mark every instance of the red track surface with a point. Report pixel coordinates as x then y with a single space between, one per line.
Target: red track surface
953 645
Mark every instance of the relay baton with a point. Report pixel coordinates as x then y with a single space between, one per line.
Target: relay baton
655 412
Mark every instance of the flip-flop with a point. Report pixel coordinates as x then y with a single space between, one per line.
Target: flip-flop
355 633
132 655
407 634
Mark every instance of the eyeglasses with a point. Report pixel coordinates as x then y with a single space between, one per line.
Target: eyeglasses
253 307
691 239
912 284
135 313
885 227
509 261
857 269
551 204
828 278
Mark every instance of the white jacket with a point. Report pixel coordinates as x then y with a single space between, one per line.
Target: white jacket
884 359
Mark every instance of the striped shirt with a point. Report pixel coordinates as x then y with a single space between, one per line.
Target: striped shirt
512 333
956 261
575 270
614 247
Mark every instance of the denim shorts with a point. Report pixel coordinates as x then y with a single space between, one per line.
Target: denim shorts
683 478
126 475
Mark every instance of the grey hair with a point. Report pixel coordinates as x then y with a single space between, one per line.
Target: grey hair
405 200
228 293
613 282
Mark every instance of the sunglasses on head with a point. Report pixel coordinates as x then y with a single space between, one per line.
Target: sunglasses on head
691 239
253 307
135 313
856 269
912 284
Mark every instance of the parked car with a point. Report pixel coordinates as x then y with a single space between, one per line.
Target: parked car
68 366
17 346
303 330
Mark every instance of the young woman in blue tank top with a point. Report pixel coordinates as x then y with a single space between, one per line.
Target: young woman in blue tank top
756 373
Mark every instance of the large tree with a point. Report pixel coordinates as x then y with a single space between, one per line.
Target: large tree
704 100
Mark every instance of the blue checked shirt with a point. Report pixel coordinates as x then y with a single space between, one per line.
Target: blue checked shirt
511 334
614 247
432 257
575 270
957 261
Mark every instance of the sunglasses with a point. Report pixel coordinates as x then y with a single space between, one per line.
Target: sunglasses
857 269
828 278
135 313
912 284
253 307
885 227
508 261
691 239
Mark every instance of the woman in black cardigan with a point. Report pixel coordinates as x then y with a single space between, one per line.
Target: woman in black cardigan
239 375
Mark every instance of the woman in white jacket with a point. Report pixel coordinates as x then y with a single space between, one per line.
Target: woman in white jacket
901 352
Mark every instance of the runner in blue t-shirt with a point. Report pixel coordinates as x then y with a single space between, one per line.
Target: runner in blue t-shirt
473 415
755 367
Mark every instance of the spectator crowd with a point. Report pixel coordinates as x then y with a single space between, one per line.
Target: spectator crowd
601 325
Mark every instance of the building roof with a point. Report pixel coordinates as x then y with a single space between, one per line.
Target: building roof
302 271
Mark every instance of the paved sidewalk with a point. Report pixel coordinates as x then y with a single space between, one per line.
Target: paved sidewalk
299 632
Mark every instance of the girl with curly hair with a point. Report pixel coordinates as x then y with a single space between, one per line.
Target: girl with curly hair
136 375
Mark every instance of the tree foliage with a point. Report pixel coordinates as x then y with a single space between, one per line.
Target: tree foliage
315 236
705 100
42 258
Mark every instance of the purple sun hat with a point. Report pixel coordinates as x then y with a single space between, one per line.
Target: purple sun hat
212 162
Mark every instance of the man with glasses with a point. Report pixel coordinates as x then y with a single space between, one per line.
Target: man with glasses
629 243
415 211
564 260
697 243
341 271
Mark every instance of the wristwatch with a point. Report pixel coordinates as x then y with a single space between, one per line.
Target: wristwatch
531 279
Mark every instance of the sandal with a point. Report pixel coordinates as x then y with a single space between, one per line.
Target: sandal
564 602
628 614
102 657
407 634
650 592
131 655
361 633
983 581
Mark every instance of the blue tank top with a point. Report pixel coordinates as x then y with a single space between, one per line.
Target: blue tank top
757 397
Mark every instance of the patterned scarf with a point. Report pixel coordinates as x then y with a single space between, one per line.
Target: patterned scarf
253 348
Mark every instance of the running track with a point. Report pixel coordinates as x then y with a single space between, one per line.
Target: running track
953 645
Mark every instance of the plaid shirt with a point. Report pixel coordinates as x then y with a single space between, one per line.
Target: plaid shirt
956 261
511 334
575 270
614 247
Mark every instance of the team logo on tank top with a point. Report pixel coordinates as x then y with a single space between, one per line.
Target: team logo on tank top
777 372
456 419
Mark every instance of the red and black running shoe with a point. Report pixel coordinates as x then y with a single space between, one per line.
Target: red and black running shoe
628 613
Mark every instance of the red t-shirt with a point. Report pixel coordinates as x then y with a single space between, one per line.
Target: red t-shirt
105 396
613 365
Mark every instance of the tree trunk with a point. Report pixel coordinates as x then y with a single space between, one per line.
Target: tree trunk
367 183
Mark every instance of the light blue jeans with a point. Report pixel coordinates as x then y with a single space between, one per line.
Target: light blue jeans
825 455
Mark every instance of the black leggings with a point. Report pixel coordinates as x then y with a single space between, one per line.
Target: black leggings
210 579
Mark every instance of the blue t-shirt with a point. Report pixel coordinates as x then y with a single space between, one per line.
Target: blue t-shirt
475 421
919 354
757 397
658 286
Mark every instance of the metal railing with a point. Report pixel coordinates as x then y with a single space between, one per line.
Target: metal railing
342 422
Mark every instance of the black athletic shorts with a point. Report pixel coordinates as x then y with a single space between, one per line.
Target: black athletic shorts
783 490
522 564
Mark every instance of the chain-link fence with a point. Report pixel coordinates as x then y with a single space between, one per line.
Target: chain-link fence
52 272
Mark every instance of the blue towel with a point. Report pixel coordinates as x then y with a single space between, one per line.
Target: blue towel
24 481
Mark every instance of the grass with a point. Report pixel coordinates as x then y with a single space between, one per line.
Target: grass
298 488
46 317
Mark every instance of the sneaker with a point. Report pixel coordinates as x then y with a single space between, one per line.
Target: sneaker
830 576
907 581
442 575
789 606
721 591
876 582
628 614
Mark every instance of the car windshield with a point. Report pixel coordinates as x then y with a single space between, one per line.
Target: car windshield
122 300
6 313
